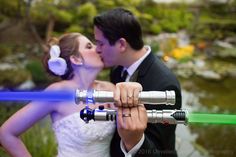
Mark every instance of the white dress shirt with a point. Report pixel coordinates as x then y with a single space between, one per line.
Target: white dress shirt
131 69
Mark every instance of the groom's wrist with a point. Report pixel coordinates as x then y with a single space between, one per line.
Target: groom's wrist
132 151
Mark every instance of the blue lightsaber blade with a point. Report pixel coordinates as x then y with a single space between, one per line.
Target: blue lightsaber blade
38 96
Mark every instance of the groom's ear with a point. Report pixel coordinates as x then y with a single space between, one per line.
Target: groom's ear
76 60
122 44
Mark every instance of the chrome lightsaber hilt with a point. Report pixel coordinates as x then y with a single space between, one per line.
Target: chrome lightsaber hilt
154 116
145 97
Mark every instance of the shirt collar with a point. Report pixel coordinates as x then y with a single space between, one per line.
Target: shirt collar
131 69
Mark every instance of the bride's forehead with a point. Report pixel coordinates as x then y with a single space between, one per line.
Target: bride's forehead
83 39
83 42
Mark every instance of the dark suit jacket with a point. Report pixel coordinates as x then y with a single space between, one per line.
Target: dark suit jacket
153 75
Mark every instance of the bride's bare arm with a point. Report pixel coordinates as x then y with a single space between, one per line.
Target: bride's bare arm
18 123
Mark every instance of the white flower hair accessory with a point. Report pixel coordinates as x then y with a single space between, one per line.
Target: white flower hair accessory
56 64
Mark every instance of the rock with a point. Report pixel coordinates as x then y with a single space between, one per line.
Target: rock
223 44
232 73
208 74
171 63
185 70
28 84
6 66
231 40
199 63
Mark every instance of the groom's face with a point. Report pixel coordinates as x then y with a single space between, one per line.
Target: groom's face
109 53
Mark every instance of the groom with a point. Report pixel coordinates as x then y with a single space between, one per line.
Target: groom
119 42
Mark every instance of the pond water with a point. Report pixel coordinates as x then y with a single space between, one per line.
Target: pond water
208 140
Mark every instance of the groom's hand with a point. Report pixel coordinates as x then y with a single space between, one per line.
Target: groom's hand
126 94
131 124
132 116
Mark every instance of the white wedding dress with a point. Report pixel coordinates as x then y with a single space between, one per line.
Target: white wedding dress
75 138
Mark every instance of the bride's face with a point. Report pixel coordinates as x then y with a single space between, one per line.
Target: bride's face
91 59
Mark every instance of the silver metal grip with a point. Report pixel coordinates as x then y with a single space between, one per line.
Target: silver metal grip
145 97
157 97
105 114
167 116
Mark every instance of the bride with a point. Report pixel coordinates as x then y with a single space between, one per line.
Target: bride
72 57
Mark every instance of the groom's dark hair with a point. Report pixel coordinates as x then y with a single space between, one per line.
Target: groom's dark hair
120 23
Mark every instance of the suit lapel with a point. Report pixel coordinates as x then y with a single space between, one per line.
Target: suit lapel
140 72
134 77
145 65
143 68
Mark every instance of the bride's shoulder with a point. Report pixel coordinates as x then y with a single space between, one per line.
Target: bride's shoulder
103 85
61 85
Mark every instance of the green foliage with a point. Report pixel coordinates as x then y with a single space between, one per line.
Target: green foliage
169 18
213 28
7 109
4 50
74 28
52 9
74 15
87 11
224 53
11 78
63 16
37 72
40 137
9 8
104 75
155 47
84 17
2 17
127 3
155 28
104 4
215 21
168 25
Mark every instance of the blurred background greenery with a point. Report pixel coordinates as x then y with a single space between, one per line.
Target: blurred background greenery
196 39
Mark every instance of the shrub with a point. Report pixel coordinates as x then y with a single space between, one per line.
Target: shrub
39 75
4 51
39 139
11 78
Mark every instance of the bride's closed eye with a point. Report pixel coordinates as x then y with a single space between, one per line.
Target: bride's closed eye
89 46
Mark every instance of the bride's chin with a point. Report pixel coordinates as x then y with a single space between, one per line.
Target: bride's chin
99 69
102 67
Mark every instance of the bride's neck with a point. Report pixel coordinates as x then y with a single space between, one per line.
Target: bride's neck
84 81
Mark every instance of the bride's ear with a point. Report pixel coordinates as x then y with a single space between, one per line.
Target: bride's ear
76 60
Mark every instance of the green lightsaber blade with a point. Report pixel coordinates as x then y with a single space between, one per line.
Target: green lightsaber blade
211 118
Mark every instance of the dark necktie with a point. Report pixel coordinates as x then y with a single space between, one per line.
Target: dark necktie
123 76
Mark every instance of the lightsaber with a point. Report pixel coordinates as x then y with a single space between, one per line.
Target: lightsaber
154 116
145 97
87 96
161 116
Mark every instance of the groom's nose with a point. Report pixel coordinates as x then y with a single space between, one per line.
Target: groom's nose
98 50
